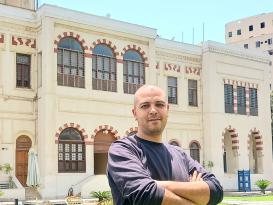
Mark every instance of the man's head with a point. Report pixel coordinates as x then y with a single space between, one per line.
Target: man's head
150 111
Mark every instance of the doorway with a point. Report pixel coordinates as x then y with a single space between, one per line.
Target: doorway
23 144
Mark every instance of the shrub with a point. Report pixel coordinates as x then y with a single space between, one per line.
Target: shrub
101 195
263 184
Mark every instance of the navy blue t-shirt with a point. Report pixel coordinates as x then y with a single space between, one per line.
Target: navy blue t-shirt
134 164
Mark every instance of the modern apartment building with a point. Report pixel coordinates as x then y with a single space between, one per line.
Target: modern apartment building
255 32
67 81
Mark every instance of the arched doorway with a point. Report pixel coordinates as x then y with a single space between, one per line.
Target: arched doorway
23 144
230 151
102 142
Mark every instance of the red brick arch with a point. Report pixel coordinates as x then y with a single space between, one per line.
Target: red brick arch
137 49
72 125
195 141
107 128
132 129
258 139
106 42
234 138
77 37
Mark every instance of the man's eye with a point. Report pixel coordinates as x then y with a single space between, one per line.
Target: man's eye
145 106
160 105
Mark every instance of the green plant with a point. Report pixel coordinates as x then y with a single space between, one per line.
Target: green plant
262 184
101 195
7 169
1 193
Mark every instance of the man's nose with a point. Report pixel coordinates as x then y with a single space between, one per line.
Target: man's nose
153 109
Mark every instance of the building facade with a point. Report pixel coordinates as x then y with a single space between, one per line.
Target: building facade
67 81
255 32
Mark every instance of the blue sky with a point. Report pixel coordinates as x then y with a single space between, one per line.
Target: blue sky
174 18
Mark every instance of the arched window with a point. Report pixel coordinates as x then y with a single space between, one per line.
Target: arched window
71 151
133 71
70 62
104 71
174 142
195 151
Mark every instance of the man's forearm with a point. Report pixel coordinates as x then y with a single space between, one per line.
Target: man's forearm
197 192
173 199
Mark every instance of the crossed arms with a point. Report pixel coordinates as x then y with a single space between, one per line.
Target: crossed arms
196 191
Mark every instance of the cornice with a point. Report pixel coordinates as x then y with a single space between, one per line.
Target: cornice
234 51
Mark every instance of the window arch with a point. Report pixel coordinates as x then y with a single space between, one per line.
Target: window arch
104 71
70 63
133 71
195 151
174 142
71 151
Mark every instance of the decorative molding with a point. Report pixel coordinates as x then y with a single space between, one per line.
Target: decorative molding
72 125
181 58
131 130
231 51
172 67
77 37
234 138
107 128
2 38
254 133
137 49
193 70
106 42
240 83
20 41
157 65
195 141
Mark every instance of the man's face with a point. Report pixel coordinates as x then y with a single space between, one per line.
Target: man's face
151 111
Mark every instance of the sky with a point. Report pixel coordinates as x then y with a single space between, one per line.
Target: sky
179 20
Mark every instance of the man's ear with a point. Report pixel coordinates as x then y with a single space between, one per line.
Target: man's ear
134 112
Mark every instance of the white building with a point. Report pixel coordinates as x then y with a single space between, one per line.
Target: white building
255 32
67 80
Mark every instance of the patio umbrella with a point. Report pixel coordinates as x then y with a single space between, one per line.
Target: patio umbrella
33 175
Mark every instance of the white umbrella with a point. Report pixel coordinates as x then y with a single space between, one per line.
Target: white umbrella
33 174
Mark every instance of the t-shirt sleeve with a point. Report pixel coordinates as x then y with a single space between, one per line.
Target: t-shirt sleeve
216 190
129 176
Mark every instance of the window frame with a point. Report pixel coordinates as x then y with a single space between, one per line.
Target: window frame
228 98
68 74
62 145
172 90
193 91
253 101
195 151
138 72
23 69
104 77
241 100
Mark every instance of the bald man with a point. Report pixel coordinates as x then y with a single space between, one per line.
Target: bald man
143 170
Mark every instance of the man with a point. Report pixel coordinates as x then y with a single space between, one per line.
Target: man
142 170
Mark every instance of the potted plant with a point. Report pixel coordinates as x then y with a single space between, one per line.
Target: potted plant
262 184
101 195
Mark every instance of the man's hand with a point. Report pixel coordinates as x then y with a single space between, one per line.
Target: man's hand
196 177
196 190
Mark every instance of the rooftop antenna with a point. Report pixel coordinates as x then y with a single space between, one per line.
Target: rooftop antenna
192 36
203 32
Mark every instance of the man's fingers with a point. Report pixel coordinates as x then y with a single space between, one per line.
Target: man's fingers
199 177
196 177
